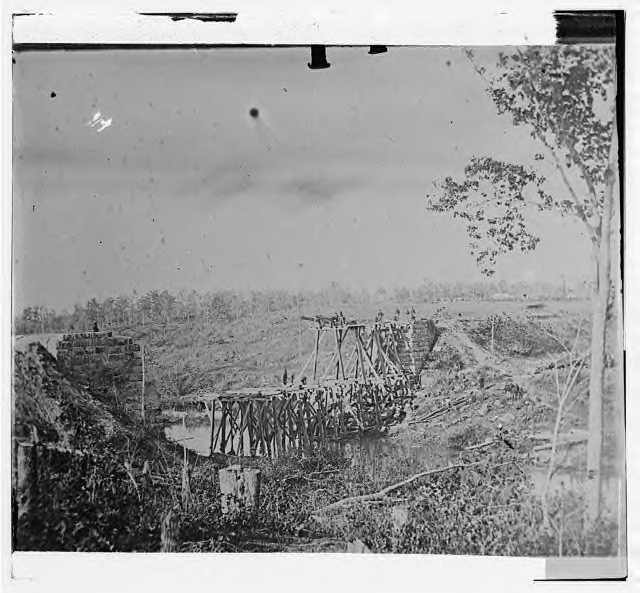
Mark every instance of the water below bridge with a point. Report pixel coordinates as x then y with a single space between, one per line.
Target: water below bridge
380 457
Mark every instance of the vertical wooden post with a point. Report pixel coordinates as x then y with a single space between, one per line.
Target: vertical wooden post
213 416
260 424
242 416
301 423
317 353
142 403
307 422
339 338
291 405
277 448
223 419
300 347
320 418
360 356
265 426
230 406
252 440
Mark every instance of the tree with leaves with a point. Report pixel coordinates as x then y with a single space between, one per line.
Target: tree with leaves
565 97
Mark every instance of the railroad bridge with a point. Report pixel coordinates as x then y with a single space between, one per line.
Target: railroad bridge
371 376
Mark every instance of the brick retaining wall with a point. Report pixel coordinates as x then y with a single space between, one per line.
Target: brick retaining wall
88 354
415 344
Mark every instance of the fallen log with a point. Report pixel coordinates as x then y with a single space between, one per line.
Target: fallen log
382 493
454 404
570 443
480 445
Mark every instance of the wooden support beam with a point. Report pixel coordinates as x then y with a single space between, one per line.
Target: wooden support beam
307 424
251 430
242 426
224 420
276 429
339 338
315 362
366 356
213 424
352 356
359 347
376 405
380 353
291 404
329 367
311 356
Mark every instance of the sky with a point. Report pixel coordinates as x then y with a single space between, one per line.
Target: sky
175 185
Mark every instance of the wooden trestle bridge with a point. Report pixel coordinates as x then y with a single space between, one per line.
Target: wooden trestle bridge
371 376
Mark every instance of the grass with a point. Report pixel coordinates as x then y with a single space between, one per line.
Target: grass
492 508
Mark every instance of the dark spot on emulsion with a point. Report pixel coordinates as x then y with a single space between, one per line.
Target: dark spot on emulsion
448 63
53 94
254 112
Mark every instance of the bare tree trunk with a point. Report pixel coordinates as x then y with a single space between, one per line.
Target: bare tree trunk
598 341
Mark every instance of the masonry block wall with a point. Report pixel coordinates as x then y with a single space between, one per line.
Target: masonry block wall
419 338
87 355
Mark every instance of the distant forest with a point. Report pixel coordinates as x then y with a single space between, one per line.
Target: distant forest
163 307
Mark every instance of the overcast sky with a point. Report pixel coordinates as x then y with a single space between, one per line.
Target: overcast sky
182 188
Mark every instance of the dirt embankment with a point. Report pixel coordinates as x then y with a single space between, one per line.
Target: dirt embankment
52 404
471 396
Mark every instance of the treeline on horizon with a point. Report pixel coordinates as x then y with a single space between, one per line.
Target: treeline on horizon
163 307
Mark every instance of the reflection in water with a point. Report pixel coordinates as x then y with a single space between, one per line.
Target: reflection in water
375 456
379 458
196 438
